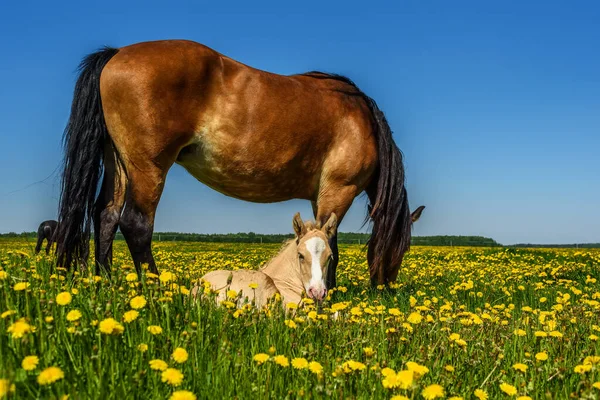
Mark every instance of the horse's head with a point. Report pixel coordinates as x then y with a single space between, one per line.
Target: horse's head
314 254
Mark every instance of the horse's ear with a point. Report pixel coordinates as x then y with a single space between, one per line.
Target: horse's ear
416 214
330 226
299 227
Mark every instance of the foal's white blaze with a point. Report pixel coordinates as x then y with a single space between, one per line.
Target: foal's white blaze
316 247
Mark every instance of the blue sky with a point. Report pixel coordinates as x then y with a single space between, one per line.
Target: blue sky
496 105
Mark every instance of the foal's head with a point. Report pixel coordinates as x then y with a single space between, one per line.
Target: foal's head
314 254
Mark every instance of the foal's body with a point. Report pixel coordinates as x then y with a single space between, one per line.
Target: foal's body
299 267
249 134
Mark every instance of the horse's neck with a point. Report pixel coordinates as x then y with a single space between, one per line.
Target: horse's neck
283 270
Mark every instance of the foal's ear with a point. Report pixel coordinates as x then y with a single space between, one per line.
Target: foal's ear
330 226
299 227
416 214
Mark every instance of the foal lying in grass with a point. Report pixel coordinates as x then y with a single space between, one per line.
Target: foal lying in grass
300 266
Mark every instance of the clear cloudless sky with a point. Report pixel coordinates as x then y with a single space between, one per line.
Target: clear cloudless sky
495 105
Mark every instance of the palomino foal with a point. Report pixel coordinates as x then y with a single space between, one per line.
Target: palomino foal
299 267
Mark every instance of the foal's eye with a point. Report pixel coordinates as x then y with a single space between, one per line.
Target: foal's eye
300 257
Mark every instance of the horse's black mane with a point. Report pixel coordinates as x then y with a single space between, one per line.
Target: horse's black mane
339 78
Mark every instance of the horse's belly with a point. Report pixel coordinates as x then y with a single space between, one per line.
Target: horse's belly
237 173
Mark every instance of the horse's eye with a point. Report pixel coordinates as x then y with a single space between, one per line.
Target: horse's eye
300 257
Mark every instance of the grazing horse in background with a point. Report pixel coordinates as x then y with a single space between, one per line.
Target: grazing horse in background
247 133
299 267
46 231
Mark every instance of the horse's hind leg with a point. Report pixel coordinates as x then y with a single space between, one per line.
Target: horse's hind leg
146 183
49 245
40 240
107 211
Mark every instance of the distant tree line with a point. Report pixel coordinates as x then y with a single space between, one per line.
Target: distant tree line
565 246
343 238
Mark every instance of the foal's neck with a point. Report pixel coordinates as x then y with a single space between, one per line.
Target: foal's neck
283 270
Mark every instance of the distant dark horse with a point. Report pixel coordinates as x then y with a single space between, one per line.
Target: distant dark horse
46 231
249 134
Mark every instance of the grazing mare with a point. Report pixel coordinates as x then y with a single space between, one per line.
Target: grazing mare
247 133
46 231
299 267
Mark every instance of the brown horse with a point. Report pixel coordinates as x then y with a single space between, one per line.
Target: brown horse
246 133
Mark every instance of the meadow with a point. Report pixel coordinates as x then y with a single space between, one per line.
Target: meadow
470 323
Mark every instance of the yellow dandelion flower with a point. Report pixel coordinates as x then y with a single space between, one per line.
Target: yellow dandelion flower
131 277
520 332
155 329
290 324
49 320
405 379
433 391
520 367
524 398
449 368
130 316
315 367
30 363
481 394
3 275
182 395
7 314
368 351
180 355
138 302
166 277
158 365
419 370
231 294
260 358
508 389
541 356
399 397
73 315
20 328
415 318
64 298
110 326
20 286
281 360
596 385
582 369
143 347
172 376
50 375
300 363
253 285
6 387
272 350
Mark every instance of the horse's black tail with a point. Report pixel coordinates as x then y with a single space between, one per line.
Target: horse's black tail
84 139
40 237
389 209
